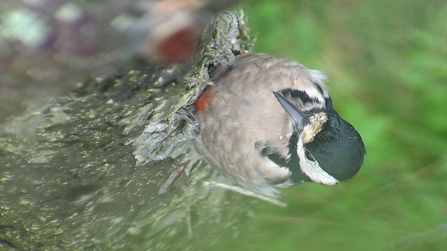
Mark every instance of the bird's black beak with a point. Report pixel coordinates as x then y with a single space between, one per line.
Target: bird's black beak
299 119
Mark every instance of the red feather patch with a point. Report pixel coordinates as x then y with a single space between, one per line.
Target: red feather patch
201 103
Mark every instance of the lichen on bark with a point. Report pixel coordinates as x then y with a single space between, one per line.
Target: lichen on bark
74 174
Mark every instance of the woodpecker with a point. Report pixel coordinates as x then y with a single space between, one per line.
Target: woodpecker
268 122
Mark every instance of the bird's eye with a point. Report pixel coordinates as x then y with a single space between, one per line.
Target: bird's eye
309 156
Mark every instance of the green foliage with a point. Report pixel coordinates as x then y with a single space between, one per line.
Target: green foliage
387 64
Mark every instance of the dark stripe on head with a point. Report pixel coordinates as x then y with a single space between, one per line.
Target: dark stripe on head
298 96
293 163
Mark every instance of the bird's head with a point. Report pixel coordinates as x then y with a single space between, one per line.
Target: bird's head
324 148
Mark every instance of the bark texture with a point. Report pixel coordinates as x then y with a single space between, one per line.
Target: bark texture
75 174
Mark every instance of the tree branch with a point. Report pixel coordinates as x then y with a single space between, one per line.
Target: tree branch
75 173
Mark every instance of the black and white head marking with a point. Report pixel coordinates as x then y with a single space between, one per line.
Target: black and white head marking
327 149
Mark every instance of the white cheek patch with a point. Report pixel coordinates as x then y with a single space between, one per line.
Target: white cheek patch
312 169
318 77
313 92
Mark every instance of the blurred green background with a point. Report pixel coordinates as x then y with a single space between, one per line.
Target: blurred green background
387 65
